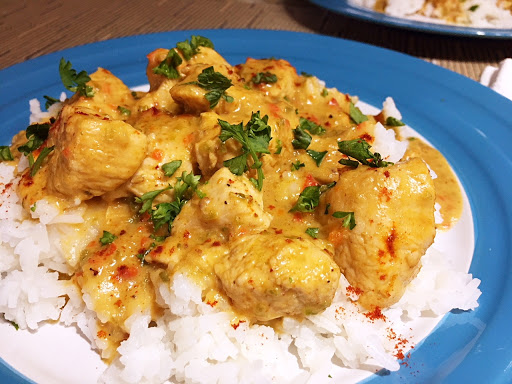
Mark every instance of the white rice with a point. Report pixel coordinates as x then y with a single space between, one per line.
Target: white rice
195 343
485 13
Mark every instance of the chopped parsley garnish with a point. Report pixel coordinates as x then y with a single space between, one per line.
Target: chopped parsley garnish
50 101
311 126
310 198
313 232
359 149
191 48
147 199
255 139
297 165
36 135
305 74
356 115
14 324
216 84
279 147
34 207
302 139
165 213
393 122
107 238
39 162
349 219
73 81
324 93
170 168
473 8
168 66
5 153
318 157
264 77
124 111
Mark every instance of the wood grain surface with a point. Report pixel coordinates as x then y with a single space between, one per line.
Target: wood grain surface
30 29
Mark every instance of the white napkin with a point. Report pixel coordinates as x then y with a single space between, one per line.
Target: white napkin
499 79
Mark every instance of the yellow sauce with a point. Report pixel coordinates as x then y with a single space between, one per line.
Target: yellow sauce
448 194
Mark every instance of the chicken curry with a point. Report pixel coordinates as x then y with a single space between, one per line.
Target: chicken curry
253 180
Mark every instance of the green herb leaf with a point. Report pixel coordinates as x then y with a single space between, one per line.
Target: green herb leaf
473 8
324 93
170 168
107 238
313 232
297 165
311 126
124 111
356 115
39 162
391 121
191 48
302 139
359 149
50 101
264 77
168 66
147 199
349 218
36 135
279 147
305 74
216 84
318 157
310 198
73 81
14 324
255 140
5 153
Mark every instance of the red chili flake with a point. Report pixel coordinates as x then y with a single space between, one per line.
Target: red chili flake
94 272
278 231
376 314
310 182
271 206
126 272
334 102
158 250
387 193
236 325
157 154
390 242
386 173
122 232
382 277
367 137
354 290
107 251
187 234
216 244
118 303
275 110
297 216
101 334
212 303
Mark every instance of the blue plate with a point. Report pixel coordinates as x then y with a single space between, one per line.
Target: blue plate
343 6
470 124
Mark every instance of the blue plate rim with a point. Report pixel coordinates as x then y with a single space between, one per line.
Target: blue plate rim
343 7
479 331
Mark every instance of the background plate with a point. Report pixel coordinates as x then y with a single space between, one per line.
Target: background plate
468 123
342 6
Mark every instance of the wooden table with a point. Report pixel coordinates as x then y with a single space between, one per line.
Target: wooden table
32 28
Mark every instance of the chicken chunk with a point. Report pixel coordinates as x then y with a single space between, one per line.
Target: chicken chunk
268 276
93 155
170 138
394 215
111 95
